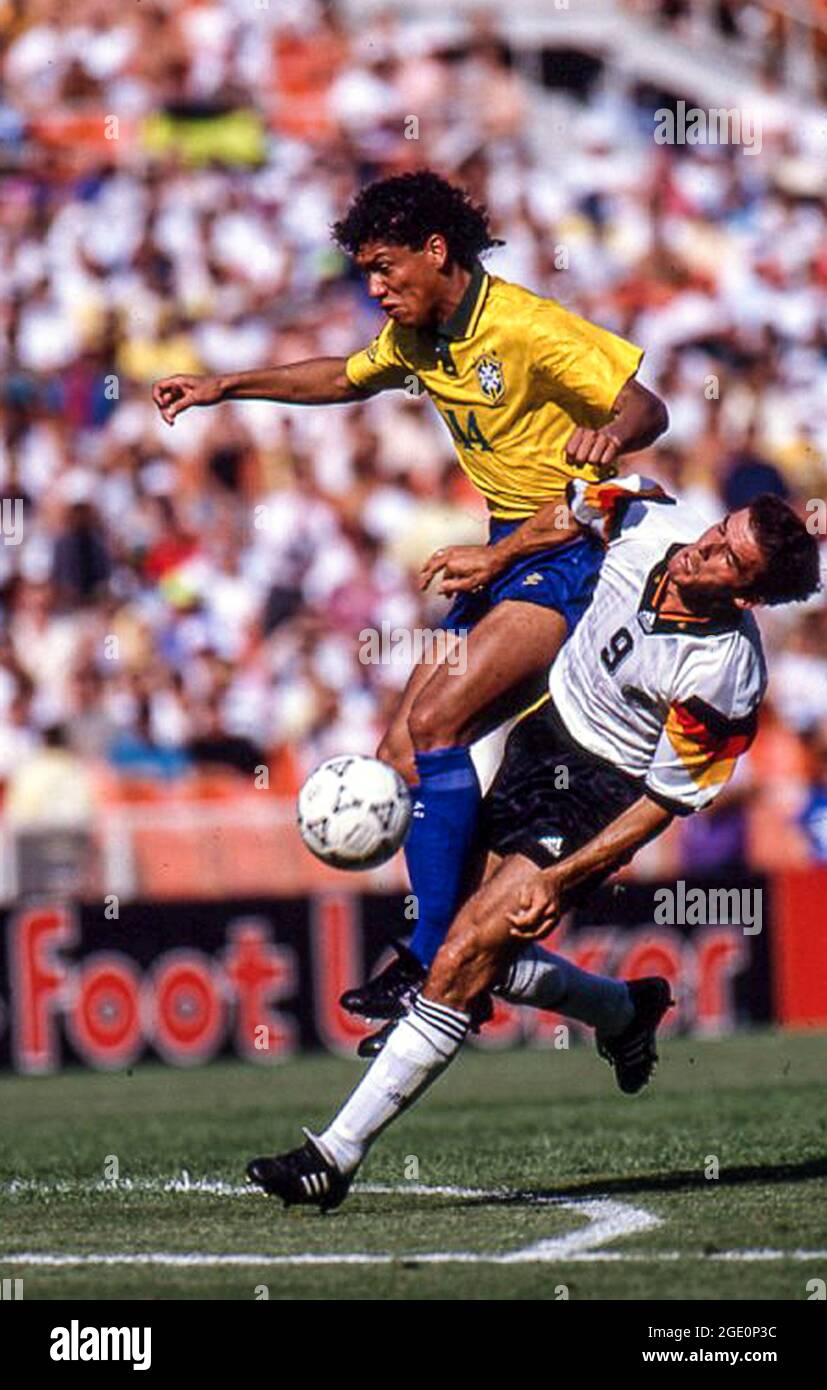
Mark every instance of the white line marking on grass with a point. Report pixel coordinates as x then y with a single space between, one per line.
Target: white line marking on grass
769 1255
206 1260
212 1187
732 1256
72 1187
607 1220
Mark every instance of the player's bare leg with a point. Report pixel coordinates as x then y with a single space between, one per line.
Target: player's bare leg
476 953
418 1050
441 710
397 747
480 947
420 1047
510 644
480 942
441 704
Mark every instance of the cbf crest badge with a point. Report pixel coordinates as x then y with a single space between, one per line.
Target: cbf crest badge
489 371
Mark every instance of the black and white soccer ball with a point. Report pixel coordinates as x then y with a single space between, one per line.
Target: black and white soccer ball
354 812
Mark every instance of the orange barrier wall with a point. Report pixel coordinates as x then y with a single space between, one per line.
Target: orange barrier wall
799 947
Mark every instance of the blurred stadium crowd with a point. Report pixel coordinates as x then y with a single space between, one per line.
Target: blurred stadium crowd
181 606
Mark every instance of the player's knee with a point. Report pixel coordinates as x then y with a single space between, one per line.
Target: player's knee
452 978
432 723
446 984
396 749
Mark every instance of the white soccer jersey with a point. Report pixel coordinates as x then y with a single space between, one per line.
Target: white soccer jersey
668 698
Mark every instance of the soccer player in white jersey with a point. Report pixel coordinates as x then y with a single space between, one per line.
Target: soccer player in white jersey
650 703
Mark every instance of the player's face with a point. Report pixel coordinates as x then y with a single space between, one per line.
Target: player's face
406 283
723 563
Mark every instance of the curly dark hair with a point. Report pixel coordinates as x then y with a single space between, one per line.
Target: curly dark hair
408 208
791 572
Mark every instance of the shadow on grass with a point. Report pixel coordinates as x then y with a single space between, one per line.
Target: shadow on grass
685 1180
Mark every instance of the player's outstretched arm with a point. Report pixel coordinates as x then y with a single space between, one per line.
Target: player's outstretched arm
639 418
318 381
545 897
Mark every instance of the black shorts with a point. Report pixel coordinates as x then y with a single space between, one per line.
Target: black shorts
550 795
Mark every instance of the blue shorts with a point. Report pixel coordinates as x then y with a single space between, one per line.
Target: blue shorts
562 577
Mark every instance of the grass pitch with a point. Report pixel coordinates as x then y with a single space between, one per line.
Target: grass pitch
605 1196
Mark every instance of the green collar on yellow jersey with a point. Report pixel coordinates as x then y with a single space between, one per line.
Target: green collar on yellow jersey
464 319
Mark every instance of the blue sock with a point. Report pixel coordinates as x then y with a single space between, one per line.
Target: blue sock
446 806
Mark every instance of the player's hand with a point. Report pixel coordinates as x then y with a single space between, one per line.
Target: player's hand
538 907
465 568
597 447
176 393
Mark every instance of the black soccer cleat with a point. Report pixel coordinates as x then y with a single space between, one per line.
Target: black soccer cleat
632 1053
302 1177
482 1010
388 994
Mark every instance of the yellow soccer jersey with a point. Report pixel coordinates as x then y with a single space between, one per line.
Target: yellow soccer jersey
512 375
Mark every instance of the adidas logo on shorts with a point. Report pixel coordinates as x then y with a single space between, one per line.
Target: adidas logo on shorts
553 843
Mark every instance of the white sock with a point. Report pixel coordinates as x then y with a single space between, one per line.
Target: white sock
546 981
419 1048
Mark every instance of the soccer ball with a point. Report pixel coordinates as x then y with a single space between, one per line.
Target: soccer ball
354 812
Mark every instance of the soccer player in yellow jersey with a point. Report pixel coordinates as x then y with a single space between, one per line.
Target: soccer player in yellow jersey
533 396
